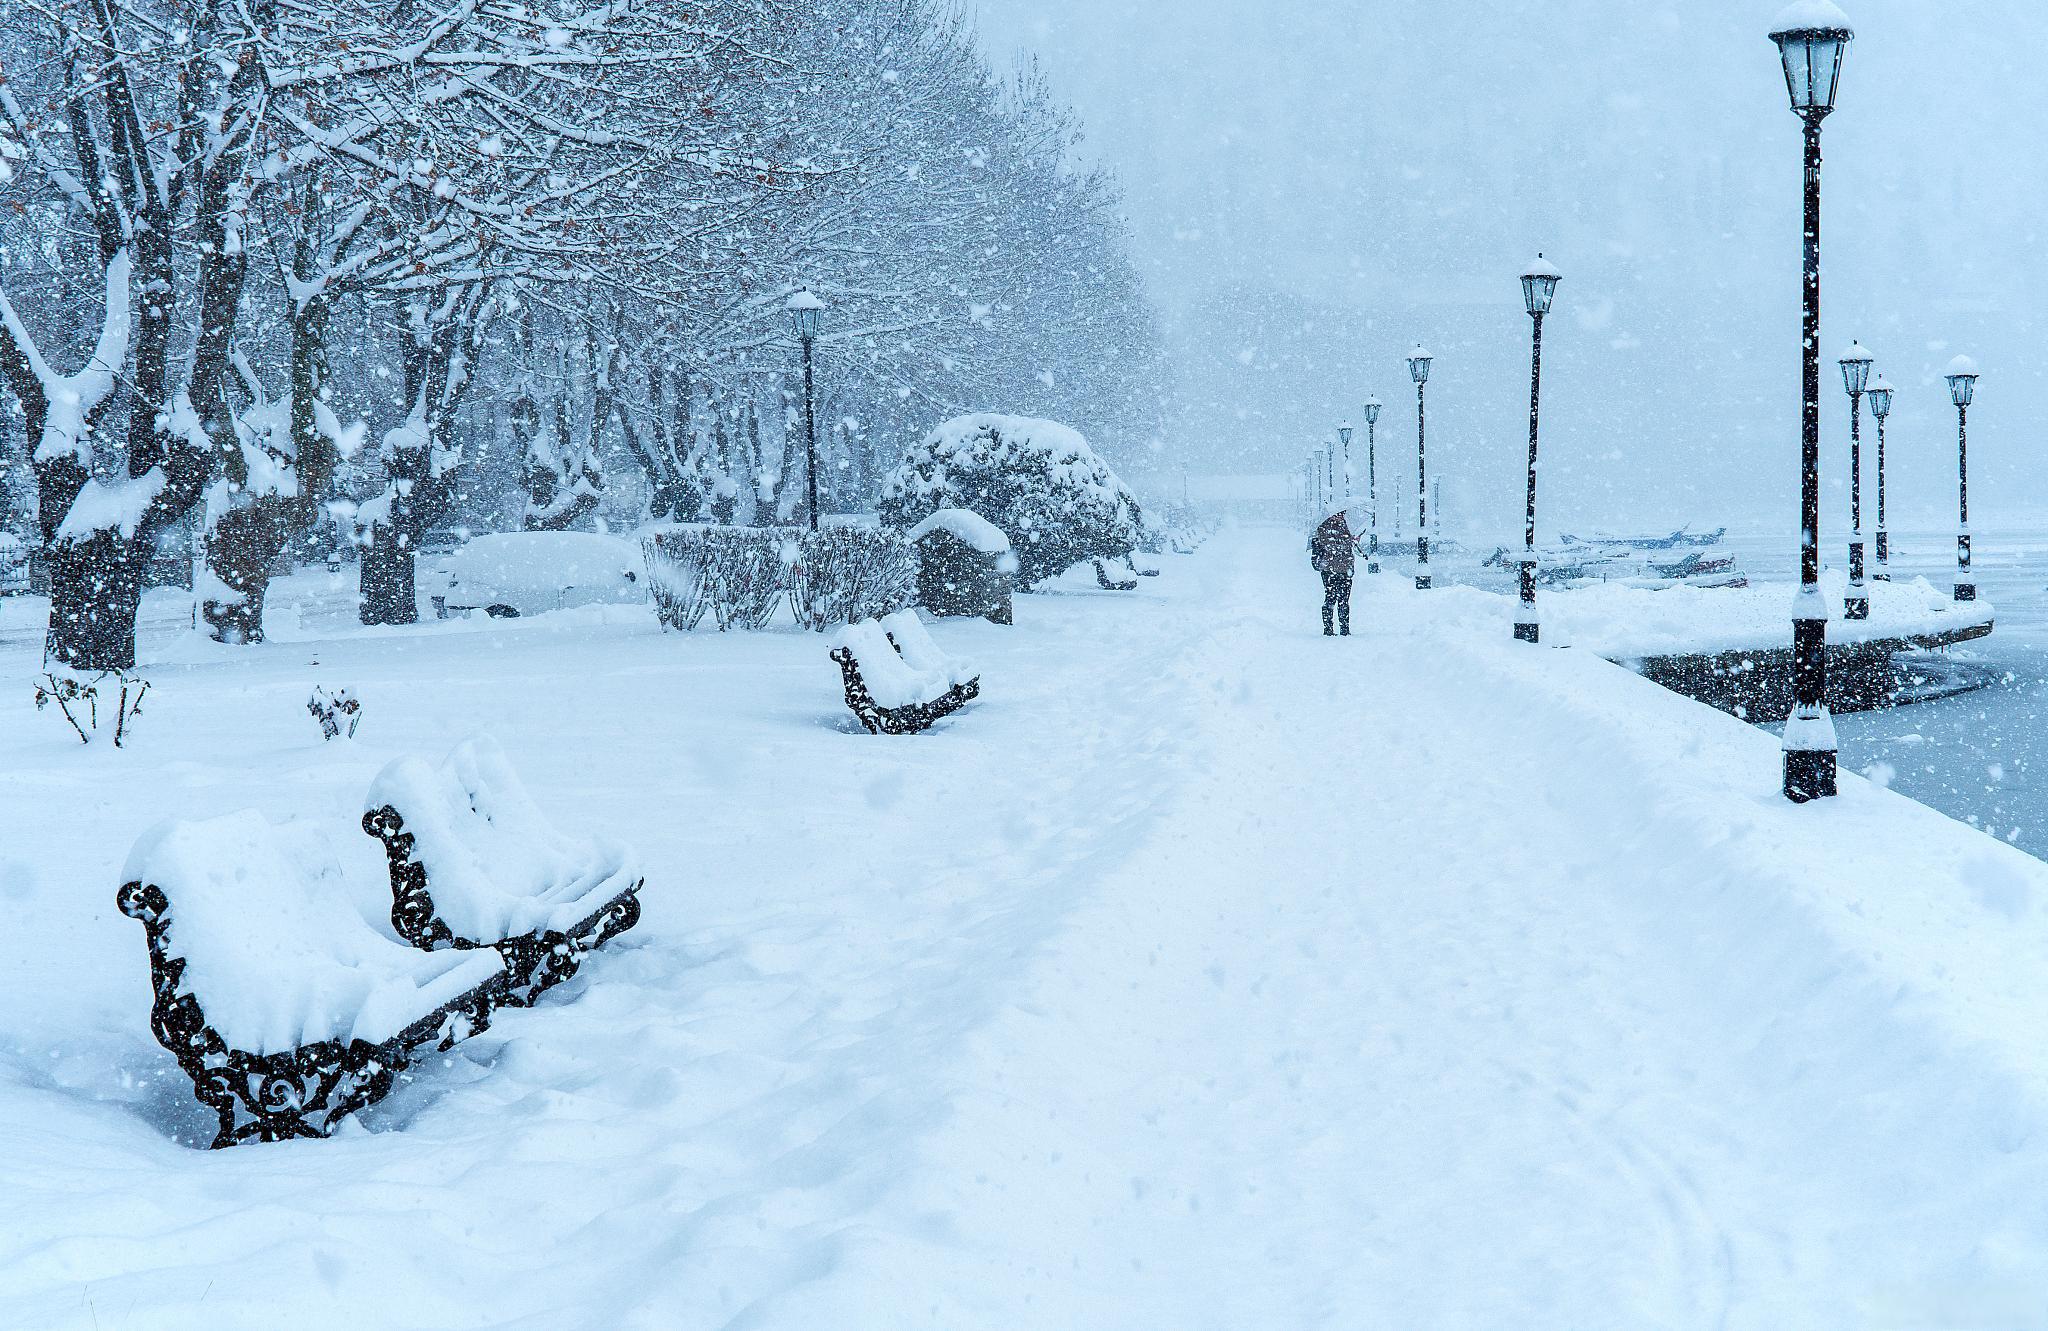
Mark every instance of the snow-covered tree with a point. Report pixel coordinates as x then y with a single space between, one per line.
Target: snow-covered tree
1038 481
138 124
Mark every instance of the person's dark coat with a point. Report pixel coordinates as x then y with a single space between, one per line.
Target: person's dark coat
1333 550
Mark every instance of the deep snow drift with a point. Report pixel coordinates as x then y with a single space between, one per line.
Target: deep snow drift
1205 973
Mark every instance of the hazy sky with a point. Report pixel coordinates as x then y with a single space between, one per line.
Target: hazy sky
1316 185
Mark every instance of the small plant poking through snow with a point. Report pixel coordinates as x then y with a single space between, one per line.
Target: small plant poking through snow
78 698
337 710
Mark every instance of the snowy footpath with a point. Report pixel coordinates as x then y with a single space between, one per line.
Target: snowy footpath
1208 973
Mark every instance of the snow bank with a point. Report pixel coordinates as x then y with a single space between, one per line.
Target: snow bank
277 953
496 866
970 528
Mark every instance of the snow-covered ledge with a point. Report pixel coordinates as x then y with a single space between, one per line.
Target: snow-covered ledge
1629 623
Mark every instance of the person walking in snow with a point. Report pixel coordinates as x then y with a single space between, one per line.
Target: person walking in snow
1333 552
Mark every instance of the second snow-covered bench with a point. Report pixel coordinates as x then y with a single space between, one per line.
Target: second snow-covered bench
475 864
897 680
287 1009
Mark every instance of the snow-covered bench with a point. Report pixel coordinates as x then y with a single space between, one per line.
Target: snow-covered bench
898 682
1110 584
476 864
280 1000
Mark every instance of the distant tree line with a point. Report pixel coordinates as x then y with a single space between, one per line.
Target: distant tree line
321 270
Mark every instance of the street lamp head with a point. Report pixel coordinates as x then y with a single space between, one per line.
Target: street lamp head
1344 434
1881 398
1962 380
1539 286
805 313
1418 365
1372 411
1856 369
1812 38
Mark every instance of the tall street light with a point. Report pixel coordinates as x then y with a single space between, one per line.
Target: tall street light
1962 386
806 311
1372 487
1855 364
1881 407
1344 437
1539 288
1418 369
1812 37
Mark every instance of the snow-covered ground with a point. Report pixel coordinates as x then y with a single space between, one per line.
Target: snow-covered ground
1206 973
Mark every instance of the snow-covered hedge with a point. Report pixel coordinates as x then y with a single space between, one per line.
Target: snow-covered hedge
739 574
846 574
1038 481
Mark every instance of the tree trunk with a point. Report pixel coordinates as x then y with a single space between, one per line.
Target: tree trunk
388 579
95 594
438 360
241 550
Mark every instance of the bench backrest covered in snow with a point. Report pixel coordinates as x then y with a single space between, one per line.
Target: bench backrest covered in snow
897 680
475 863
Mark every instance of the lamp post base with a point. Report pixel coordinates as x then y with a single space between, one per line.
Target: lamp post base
1884 555
1422 582
1855 605
1526 632
1966 591
1809 774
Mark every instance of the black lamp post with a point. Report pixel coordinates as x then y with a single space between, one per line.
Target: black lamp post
1539 288
1962 386
1418 369
806 311
1372 488
1812 42
1881 407
1855 365
1344 438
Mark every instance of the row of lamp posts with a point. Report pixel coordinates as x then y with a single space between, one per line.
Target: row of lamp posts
1812 53
1812 46
1539 288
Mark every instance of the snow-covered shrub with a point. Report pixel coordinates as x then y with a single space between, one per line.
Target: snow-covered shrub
964 565
337 710
847 574
1036 480
81 697
739 574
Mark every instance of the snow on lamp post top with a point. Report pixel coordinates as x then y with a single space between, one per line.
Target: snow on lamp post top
1344 434
1881 398
1855 364
1418 365
1372 411
1812 37
805 311
1962 380
1539 286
